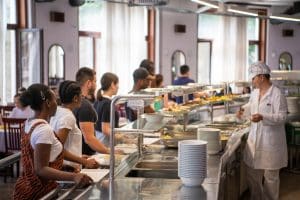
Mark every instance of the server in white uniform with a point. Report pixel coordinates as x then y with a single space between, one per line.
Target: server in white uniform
266 149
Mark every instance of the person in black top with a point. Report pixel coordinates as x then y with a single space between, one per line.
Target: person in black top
109 87
86 115
141 80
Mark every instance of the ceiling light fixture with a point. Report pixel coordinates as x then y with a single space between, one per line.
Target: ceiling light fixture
285 18
242 11
207 3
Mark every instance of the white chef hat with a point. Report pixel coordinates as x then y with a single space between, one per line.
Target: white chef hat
258 68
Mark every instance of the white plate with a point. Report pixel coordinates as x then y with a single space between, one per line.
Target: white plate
96 174
192 181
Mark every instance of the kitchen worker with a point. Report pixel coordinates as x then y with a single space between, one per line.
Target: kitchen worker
266 149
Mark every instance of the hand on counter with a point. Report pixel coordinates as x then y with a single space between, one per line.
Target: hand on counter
82 180
91 163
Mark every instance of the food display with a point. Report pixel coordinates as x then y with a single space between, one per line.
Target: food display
175 109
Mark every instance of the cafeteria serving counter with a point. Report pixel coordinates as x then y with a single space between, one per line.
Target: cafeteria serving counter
224 180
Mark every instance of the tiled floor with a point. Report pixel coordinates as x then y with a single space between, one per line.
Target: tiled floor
289 187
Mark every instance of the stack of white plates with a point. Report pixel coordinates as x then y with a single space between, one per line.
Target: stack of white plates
213 138
192 193
293 104
192 162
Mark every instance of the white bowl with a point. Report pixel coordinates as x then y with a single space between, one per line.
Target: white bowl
197 181
153 117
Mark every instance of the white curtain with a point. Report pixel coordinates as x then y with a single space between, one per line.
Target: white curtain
3 25
229 49
123 44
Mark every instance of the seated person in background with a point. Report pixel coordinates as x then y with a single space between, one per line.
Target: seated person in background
223 91
183 79
64 124
20 111
42 152
159 80
246 90
141 80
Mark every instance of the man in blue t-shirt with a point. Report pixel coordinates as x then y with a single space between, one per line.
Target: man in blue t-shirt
183 79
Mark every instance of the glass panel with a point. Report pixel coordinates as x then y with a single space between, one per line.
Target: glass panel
252 53
178 59
204 62
56 65
86 53
10 65
285 61
208 24
30 57
11 13
253 28
90 13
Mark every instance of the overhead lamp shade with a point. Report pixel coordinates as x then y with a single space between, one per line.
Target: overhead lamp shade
76 3
42 1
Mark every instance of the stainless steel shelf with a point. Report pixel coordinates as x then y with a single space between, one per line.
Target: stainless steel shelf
141 125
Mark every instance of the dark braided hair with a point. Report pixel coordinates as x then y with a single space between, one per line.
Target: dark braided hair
35 96
67 91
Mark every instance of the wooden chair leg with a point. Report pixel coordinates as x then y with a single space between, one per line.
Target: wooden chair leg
18 169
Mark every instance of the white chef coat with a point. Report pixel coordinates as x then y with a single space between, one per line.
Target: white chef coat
266 146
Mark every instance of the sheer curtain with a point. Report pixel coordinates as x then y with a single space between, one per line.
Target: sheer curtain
2 50
234 48
229 47
123 43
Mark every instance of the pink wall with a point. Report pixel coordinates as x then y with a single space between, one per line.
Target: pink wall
64 34
278 44
171 41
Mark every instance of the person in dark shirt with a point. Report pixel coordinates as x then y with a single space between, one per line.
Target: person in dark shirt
183 79
141 80
86 115
109 87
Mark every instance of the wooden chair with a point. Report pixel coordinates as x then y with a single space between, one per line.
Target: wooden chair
13 128
5 110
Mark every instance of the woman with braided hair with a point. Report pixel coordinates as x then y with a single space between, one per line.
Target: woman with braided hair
42 153
64 125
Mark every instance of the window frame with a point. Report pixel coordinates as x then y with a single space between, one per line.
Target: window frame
94 35
262 34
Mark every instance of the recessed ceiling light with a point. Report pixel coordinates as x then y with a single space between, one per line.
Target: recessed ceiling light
242 11
285 18
206 3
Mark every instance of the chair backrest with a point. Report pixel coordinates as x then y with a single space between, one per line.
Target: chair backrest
13 128
5 110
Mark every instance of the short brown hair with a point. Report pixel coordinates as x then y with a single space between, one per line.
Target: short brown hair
84 74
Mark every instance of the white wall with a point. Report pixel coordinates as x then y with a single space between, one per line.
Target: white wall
171 41
276 43
64 34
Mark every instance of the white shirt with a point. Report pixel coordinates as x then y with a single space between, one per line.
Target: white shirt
19 113
266 146
43 134
64 118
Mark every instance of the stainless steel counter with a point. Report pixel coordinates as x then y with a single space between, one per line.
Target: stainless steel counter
149 188
219 184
